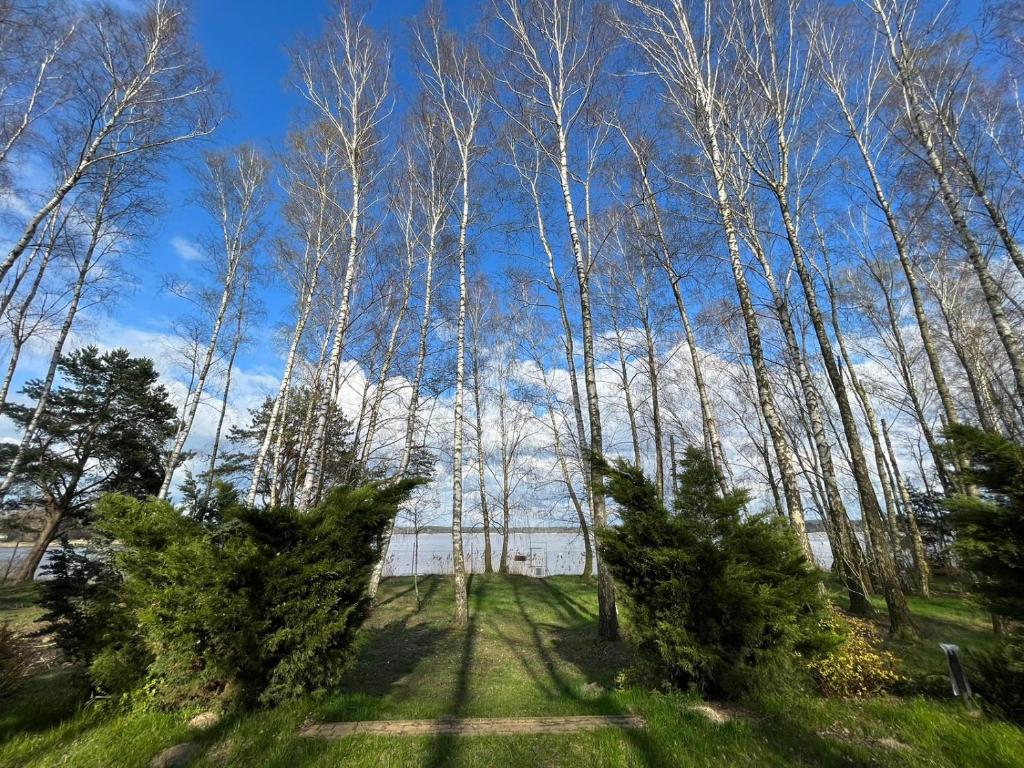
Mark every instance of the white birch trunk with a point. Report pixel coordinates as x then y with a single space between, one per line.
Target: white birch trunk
458 560
84 268
307 496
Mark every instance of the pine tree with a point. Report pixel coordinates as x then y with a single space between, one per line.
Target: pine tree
102 431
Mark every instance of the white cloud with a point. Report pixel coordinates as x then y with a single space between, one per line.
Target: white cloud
186 250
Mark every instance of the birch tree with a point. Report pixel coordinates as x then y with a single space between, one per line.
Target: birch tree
234 195
769 135
859 97
39 306
106 210
481 333
35 54
344 79
849 556
452 75
139 85
679 44
895 20
529 163
312 169
430 185
640 150
553 55
244 310
567 445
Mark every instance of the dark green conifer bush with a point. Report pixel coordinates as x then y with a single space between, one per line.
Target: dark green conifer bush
251 607
989 543
83 598
720 602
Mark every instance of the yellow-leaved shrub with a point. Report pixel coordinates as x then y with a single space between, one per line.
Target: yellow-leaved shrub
857 665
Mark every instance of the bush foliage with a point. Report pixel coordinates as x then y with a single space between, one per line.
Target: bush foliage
990 544
998 677
721 601
857 665
253 607
990 527
84 606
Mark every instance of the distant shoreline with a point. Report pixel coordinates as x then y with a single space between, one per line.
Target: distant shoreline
813 526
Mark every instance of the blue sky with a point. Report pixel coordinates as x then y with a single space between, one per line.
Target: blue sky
247 42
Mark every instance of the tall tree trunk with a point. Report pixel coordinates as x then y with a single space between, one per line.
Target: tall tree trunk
627 393
481 476
906 374
568 343
191 405
577 504
234 230
888 493
27 569
899 241
86 160
922 570
19 335
709 423
977 186
458 561
652 372
86 265
851 561
236 342
385 369
765 396
305 436
506 466
311 481
412 410
607 622
900 622
975 383
277 411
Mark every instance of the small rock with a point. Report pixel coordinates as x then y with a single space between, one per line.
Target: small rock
174 757
715 715
204 720
593 691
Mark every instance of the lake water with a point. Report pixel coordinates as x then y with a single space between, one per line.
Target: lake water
534 554
544 553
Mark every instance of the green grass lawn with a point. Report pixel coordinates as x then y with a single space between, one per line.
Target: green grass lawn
530 650
18 605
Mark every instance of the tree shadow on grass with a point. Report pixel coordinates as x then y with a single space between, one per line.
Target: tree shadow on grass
444 747
388 655
573 642
796 743
399 595
47 699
